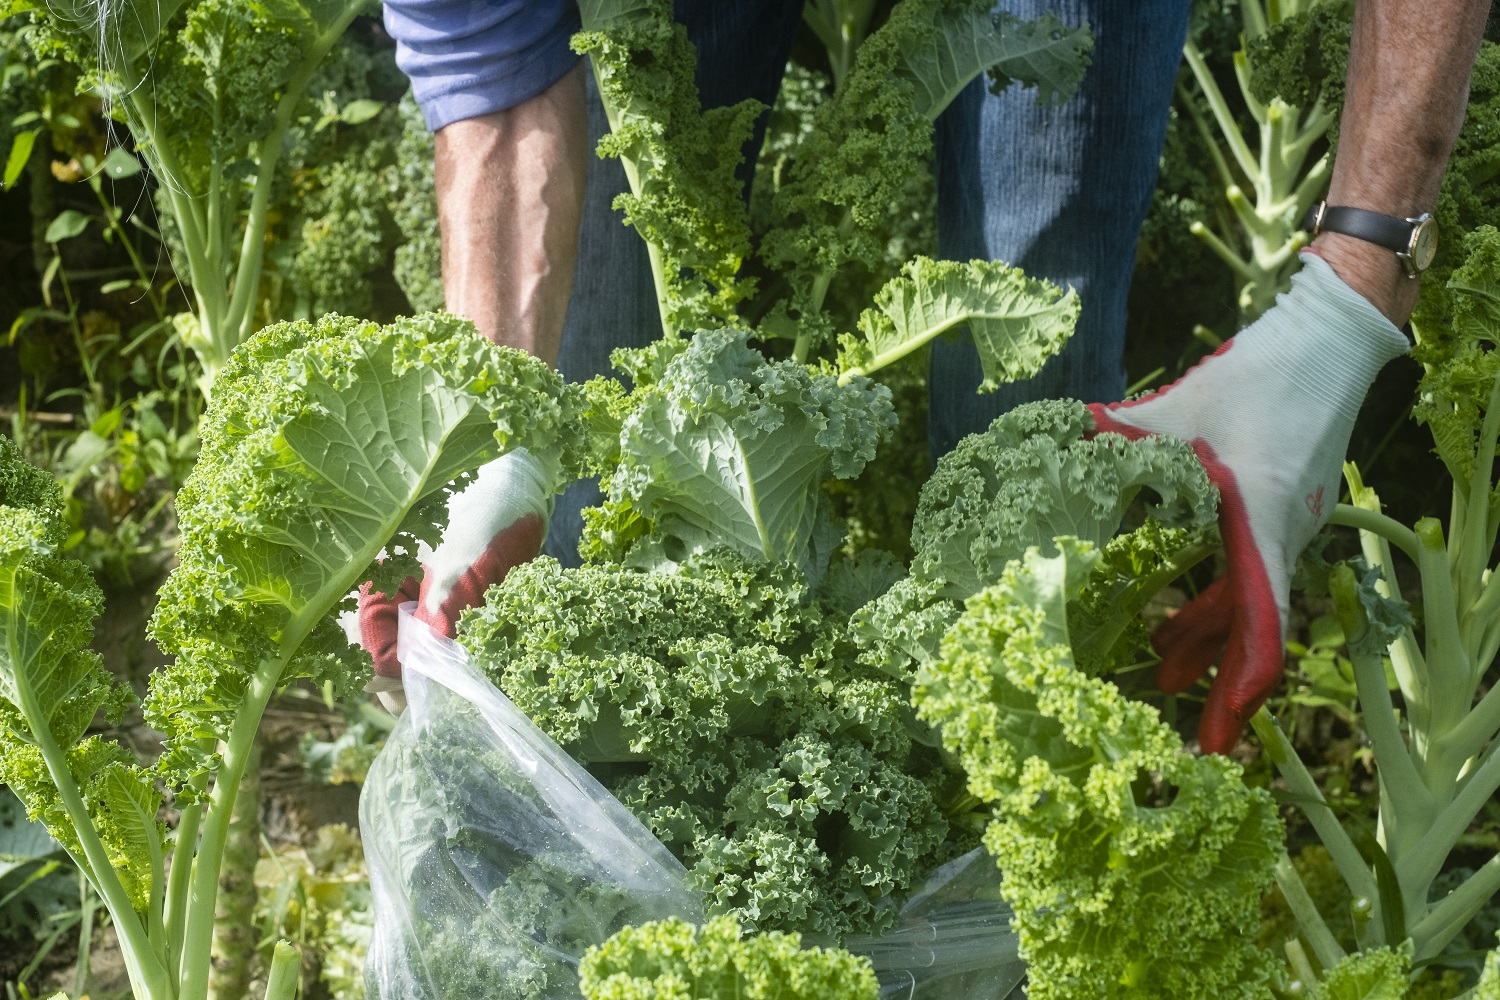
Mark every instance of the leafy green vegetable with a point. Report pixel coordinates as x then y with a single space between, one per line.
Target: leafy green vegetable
1489 981
1134 870
876 132
832 200
721 704
1378 974
729 449
671 958
1017 322
210 89
1031 476
495 890
324 445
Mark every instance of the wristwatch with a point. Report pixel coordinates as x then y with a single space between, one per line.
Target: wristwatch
1413 240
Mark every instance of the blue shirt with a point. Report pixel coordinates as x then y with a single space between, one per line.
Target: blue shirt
468 58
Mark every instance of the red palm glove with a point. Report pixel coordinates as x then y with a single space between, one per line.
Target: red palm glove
1269 415
496 523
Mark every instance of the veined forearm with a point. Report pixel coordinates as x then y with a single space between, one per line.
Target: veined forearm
510 196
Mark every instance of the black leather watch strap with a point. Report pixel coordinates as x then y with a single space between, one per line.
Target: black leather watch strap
1372 227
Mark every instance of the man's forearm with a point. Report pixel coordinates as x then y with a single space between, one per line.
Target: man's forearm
1408 85
510 195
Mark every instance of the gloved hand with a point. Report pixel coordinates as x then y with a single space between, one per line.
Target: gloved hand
496 523
1269 415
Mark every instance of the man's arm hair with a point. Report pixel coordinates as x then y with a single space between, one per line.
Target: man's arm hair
1408 85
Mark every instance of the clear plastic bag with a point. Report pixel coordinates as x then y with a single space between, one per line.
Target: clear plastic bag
495 860
953 940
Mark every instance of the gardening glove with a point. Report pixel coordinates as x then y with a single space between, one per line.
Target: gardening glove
1269 415
496 523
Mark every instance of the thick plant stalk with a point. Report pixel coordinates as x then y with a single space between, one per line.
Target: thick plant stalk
1280 184
286 963
234 929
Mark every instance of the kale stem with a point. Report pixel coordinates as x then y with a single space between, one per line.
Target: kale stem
1450 916
203 892
1324 944
1377 523
1346 856
147 977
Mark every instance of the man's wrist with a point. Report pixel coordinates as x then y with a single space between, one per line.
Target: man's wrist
1372 271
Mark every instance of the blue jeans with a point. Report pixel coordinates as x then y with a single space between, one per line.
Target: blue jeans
1059 191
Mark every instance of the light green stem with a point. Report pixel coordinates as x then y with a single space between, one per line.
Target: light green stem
1448 666
252 248
1221 111
1477 728
1223 251
1421 865
286 968
1324 944
1450 916
203 892
174 916
1346 857
147 977
1474 555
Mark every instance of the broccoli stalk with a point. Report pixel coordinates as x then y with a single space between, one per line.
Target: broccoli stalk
323 446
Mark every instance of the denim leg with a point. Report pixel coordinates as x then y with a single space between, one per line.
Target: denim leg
743 47
1060 192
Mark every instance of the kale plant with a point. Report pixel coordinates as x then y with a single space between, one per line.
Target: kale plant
324 445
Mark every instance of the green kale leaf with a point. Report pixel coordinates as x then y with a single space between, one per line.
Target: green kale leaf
723 705
1134 870
730 449
672 958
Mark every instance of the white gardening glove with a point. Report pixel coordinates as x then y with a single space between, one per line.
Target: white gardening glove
496 523
1269 415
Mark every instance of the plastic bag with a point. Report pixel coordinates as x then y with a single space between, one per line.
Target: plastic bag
953 940
495 860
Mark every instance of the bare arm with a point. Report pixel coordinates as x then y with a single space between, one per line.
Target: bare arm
510 195
1409 66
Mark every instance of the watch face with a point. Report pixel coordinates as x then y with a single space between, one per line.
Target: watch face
1424 243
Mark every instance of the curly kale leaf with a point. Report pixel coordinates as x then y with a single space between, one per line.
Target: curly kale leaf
1489 980
325 444
1017 322
1303 58
1106 623
723 706
875 135
417 262
1134 870
1032 476
730 449
1028 478
1376 974
1454 394
52 685
672 958
685 199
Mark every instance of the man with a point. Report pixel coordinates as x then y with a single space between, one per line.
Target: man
533 255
